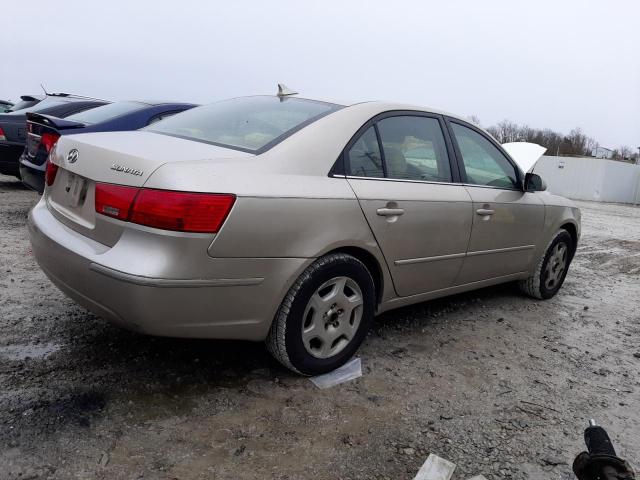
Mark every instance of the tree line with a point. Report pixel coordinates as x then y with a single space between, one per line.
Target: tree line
576 143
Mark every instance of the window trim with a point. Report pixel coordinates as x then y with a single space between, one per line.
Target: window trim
383 157
339 168
459 160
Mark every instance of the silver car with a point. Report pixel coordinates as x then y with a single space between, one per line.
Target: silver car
293 221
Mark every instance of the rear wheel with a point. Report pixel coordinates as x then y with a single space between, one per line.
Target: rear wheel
552 268
325 315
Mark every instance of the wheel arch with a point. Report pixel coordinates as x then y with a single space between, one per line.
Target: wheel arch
371 262
573 231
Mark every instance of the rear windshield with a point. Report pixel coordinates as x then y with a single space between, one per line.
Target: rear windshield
251 124
106 112
20 104
41 105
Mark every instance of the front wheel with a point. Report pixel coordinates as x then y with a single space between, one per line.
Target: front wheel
325 316
552 269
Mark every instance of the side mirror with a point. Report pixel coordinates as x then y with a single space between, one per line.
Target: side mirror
534 183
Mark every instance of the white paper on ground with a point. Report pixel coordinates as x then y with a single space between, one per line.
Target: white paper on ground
435 468
478 477
349 371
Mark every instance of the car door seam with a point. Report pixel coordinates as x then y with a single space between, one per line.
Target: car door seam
473 220
386 262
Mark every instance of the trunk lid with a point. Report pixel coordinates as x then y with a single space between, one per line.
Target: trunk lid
40 126
122 158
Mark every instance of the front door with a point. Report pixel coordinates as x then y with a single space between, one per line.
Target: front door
399 169
507 222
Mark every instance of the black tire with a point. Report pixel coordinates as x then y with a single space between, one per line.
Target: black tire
285 341
535 286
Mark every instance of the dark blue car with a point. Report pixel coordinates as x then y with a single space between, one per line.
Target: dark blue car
43 131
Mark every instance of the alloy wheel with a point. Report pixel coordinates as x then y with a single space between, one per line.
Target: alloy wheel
556 265
332 317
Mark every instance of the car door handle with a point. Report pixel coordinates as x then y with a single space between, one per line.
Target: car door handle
485 211
389 212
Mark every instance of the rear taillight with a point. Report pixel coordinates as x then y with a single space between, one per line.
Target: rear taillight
181 211
48 140
50 173
2 136
164 209
114 200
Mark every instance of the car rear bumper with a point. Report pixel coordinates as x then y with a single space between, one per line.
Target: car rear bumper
9 155
32 175
238 300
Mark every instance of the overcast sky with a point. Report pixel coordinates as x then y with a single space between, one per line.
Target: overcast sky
557 64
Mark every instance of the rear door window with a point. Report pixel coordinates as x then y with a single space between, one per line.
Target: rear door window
363 159
414 148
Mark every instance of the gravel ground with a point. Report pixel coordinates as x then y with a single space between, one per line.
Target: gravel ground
498 383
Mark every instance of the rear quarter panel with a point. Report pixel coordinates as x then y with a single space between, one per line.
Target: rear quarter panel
307 228
277 215
293 226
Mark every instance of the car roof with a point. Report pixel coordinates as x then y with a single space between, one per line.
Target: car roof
386 106
382 105
71 96
154 102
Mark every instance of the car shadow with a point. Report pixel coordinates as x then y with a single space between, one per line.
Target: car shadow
425 311
146 358
9 183
98 345
98 368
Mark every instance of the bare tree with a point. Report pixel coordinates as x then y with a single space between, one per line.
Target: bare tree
526 134
507 131
591 145
576 142
475 120
625 153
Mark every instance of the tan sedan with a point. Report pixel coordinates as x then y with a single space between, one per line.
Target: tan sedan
293 221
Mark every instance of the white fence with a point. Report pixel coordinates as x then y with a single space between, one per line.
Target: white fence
595 179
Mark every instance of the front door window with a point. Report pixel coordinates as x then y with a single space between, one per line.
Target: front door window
483 162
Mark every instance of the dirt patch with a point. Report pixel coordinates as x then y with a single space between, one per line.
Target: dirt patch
497 383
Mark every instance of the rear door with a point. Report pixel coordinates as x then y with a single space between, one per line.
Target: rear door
399 168
507 222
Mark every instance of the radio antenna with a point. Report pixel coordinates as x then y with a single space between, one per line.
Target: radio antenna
284 91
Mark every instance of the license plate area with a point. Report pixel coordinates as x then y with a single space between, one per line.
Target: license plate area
75 190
